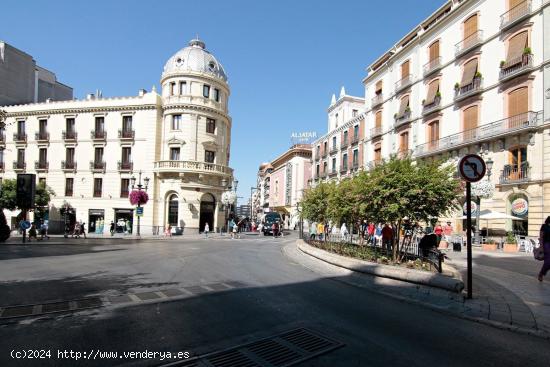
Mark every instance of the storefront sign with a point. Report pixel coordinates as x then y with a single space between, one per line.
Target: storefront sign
306 137
474 208
520 207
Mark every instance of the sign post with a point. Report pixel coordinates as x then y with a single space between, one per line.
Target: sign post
472 168
25 191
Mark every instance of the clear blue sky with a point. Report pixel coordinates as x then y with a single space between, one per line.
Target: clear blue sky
284 59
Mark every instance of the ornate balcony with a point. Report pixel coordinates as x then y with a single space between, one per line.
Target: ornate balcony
345 143
403 83
469 43
124 166
324 153
468 90
333 150
515 15
19 166
41 166
98 135
98 167
518 66
192 167
432 66
432 107
322 175
354 139
69 135
354 166
403 119
375 132
126 134
317 156
42 137
376 100
514 174
501 128
333 172
68 166
344 169
20 138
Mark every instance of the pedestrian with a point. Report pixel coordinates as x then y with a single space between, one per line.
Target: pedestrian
344 231
129 227
168 230
235 232
320 230
32 232
363 231
274 229
387 237
83 229
438 230
112 228
544 243
76 230
313 231
378 235
44 229
370 229
206 230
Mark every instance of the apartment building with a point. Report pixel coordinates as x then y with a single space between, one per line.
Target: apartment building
470 79
88 151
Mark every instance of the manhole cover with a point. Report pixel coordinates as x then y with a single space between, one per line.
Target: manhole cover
17 311
55 307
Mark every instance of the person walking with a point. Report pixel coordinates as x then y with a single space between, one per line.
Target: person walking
320 230
387 237
438 230
344 231
544 243
378 235
370 229
112 228
313 230
129 227
83 229
32 232
168 230
206 230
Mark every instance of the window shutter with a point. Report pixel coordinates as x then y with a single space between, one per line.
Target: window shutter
378 120
434 131
405 69
470 69
516 45
518 102
404 142
470 26
514 3
403 105
434 51
433 88
378 87
470 118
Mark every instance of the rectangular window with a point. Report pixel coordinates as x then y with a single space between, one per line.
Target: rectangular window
69 182
355 158
334 142
216 94
20 156
206 91
20 127
69 156
324 167
325 144
42 127
317 170
99 124
356 131
42 156
345 137
174 154
126 123
183 88
209 156
98 187
69 125
126 155
176 122
405 69
333 164
345 161
354 113
172 89
98 155
210 126
124 187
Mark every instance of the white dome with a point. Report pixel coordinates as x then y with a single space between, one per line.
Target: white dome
196 58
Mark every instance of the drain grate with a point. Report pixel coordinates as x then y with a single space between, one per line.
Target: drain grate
55 307
147 296
282 350
17 311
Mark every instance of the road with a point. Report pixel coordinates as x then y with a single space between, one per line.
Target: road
269 294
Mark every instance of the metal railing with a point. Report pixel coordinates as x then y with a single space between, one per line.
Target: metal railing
126 133
354 139
377 99
192 166
42 136
41 165
516 67
345 143
333 150
469 89
97 193
403 119
69 135
403 83
20 137
376 131
469 42
97 166
19 165
432 66
125 165
98 135
68 165
488 131
344 169
515 174
431 107
515 14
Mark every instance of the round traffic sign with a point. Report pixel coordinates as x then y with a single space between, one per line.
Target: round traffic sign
25 224
472 167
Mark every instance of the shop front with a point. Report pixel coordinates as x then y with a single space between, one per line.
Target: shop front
96 221
519 207
124 220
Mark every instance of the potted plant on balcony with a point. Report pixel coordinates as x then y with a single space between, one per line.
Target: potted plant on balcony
526 54
502 63
423 102
477 75
438 94
395 116
457 86
489 245
511 244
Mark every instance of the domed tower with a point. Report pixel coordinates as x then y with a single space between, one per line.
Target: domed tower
193 167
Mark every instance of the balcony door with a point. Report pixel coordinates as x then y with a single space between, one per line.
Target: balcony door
405 70
434 51
433 134
470 119
378 119
518 106
517 168
404 143
470 26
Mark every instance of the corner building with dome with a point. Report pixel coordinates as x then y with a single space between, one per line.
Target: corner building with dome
87 151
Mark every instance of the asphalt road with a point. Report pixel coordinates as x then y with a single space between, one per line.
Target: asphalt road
275 295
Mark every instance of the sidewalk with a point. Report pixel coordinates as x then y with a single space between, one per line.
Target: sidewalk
510 299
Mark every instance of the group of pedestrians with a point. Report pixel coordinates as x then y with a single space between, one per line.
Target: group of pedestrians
380 234
41 228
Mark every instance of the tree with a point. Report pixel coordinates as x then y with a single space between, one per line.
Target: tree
314 202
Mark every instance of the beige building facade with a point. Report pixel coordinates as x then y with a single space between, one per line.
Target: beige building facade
87 151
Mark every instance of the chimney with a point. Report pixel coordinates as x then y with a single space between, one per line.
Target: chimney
142 92
90 96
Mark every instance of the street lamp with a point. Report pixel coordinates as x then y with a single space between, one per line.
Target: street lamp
139 186
301 222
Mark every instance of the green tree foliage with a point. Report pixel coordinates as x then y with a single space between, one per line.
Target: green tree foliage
8 195
391 191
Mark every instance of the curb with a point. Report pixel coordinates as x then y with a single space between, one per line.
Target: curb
384 271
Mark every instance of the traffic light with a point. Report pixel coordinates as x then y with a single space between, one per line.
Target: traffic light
26 188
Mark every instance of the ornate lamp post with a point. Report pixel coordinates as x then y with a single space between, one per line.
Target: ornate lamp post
139 197
485 190
301 222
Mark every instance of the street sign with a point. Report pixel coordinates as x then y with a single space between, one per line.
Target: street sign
472 168
25 224
139 211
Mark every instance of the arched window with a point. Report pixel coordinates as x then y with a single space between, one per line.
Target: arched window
433 51
404 108
433 134
469 74
377 152
470 26
173 207
516 47
378 119
433 97
403 143
518 106
470 122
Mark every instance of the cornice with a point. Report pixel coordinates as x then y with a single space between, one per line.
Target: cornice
178 106
75 110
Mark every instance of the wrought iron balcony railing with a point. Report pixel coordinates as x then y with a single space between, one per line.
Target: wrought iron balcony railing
98 135
376 100
375 131
469 43
515 67
97 166
41 165
125 166
20 137
403 83
68 165
514 174
126 134
355 139
468 90
516 14
432 107
432 66
19 166
333 150
493 130
69 135
403 119
42 136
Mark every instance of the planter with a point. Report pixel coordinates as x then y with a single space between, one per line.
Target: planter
443 245
489 247
510 247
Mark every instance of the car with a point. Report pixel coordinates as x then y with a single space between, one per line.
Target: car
268 220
